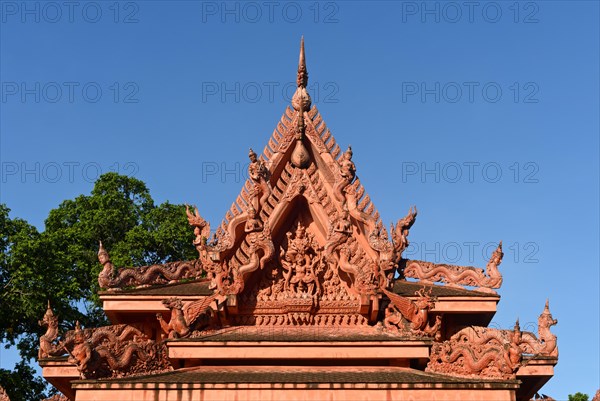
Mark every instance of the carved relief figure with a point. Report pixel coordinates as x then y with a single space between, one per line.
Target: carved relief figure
259 174
252 223
301 262
81 354
201 229
340 230
415 313
347 174
182 319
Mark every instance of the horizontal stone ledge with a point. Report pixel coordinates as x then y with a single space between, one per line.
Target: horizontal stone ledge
298 350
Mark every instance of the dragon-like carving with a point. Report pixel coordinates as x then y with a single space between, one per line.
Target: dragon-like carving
258 240
479 351
114 279
401 230
545 343
201 229
114 355
47 340
183 319
459 275
412 317
546 337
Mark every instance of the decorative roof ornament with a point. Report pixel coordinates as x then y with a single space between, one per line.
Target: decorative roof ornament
301 103
547 308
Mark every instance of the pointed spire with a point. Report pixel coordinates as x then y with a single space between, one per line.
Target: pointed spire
301 103
302 79
49 312
301 100
546 308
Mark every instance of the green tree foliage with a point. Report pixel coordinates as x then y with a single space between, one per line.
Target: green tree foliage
578 397
60 264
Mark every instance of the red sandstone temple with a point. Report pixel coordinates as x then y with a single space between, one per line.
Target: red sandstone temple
300 293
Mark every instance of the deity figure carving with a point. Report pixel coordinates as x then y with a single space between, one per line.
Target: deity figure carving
252 223
81 354
347 174
459 275
479 351
340 229
301 262
385 267
47 346
115 279
201 229
259 174
183 320
415 313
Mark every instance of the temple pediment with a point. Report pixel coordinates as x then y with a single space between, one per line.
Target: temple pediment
301 273
303 235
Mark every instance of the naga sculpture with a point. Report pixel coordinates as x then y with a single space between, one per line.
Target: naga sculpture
201 229
411 317
113 351
401 230
257 240
479 351
545 344
47 346
459 275
259 174
183 319
545 321
112 279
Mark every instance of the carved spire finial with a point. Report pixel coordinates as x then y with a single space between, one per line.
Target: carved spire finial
301 100
302 79
49 310
546 308
103 255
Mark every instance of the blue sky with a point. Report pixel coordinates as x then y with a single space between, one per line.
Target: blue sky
484 115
